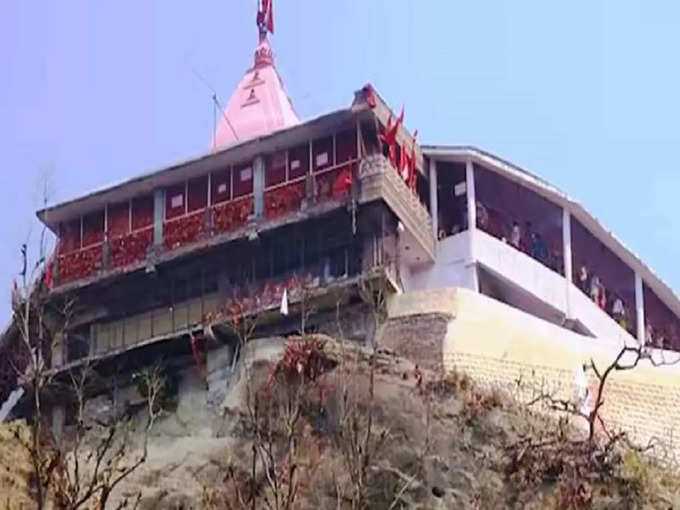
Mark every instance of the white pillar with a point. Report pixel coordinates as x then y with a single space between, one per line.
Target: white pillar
258 186
471 199
472 220
158 215
566 248
640 308
434 210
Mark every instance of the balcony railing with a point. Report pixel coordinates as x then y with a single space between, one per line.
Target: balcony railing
132 249
380 181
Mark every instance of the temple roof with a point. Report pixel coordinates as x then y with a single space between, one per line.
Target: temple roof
258 106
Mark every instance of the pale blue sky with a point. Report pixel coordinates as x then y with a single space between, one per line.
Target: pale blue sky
583 93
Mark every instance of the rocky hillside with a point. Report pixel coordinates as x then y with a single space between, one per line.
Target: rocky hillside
332 426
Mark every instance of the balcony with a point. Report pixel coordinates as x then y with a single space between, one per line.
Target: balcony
295 200
516 278
380 181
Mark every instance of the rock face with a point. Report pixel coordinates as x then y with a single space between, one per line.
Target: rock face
437 442
15 467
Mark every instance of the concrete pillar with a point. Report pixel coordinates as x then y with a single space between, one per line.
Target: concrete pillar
258 185
471 200
566 248
640 308
434 210
472 220
158 216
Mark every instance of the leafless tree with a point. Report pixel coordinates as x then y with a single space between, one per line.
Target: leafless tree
97 459
358 438
39 333
628 358
70 474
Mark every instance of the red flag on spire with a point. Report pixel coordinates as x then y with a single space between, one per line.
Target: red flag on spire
265 15
389 136
413 170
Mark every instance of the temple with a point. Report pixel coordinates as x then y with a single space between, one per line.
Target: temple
286 210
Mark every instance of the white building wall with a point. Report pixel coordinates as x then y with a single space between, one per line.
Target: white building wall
452 267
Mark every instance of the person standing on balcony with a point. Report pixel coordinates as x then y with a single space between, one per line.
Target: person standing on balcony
649 335
526 242
539 250
482 217
595 289
619 313
602 298
515 235
583 280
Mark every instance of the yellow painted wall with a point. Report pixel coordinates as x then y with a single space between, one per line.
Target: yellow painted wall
499 345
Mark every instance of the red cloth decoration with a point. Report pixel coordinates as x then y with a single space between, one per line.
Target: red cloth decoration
184 230
284 200
325 184
131 248
388 136
413 170
343 183
232 215
80 264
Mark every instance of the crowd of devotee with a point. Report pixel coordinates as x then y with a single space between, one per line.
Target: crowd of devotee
526 238
522 236
547 249
591 285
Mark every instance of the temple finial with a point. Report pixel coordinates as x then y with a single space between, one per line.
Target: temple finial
265 17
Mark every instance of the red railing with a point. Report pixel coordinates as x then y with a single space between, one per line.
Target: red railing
335 182
184 230
133 248
80 264
284 199
231 215
130 248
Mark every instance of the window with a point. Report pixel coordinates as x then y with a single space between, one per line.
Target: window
142 212
275 169
346 145
70 236
118 217
298 161
322 151
93 228
198 194
220 186
243 179
174 201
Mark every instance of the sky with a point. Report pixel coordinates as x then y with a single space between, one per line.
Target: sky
582 93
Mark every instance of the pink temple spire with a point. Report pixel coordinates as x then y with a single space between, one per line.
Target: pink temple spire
259 105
